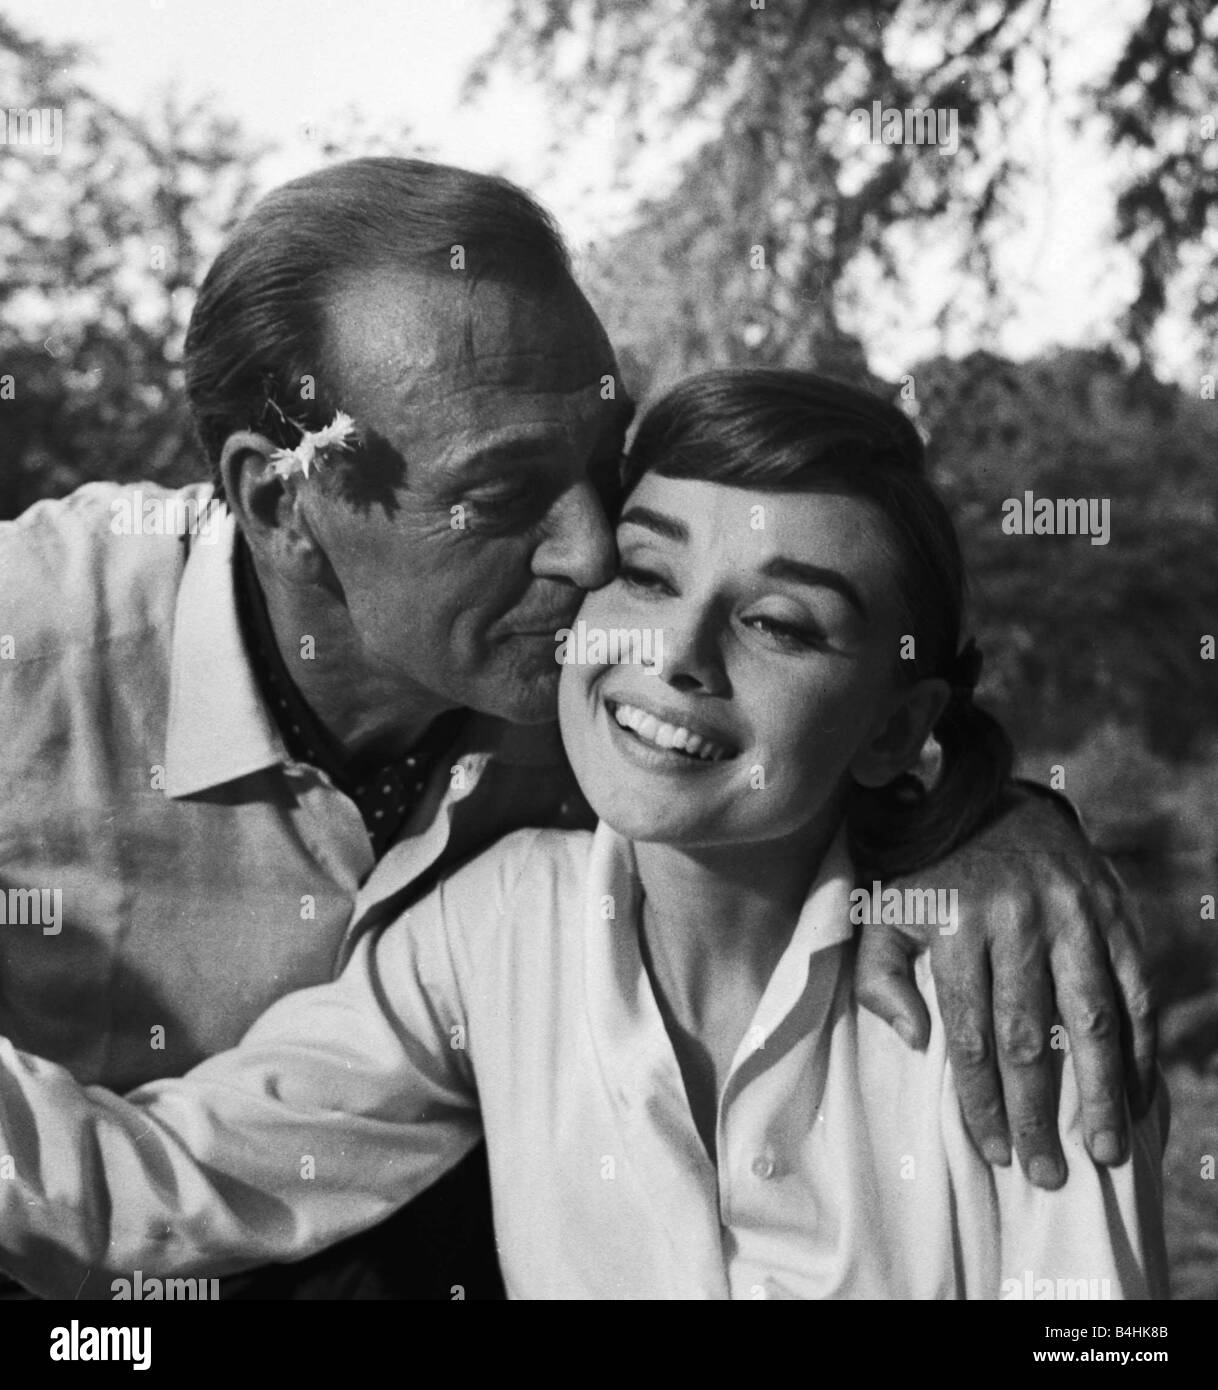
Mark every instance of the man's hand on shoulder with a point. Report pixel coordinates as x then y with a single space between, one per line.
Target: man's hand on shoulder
1045 931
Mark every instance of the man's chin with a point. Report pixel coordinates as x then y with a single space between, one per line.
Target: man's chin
522 697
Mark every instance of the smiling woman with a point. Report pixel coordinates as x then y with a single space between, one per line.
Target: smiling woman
656 1026
795 484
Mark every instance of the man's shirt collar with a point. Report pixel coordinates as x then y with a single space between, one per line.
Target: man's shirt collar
219 728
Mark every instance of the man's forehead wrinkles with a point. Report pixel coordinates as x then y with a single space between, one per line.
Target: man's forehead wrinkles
540 432
496 367
511 395
562 426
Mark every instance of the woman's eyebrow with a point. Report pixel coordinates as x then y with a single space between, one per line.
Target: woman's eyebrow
667 526
783 567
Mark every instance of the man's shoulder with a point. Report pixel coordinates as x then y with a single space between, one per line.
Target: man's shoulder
102 563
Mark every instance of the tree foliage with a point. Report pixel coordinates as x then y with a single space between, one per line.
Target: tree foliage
1077 635
1160 104
784 165
102 245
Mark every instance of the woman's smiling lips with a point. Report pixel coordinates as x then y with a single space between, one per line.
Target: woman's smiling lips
665 738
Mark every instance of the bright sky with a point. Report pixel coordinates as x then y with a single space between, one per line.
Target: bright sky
284 67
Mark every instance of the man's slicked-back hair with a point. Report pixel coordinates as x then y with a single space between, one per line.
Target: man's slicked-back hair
255 344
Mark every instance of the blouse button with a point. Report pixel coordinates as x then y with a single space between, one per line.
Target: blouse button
763 1164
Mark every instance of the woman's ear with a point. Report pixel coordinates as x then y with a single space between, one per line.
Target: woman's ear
895 745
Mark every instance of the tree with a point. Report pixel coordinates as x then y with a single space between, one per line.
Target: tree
1077 634
783 94
1160 103
102 243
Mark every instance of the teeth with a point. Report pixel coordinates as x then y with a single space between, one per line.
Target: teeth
651 730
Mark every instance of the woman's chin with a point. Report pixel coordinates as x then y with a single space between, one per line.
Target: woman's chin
660 826
645 806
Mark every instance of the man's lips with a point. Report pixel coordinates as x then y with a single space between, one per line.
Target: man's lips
537 633
672 731
542 627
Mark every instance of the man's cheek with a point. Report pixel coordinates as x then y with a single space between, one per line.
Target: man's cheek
478 564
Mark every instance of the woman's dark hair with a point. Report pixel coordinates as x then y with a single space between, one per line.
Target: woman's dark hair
258 326
788 431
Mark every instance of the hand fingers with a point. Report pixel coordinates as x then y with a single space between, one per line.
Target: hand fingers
1023 1018
884 983
962 987
1139 1032
1135 1007
1087 1005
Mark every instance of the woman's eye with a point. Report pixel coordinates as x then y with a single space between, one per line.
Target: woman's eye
643 580
794 635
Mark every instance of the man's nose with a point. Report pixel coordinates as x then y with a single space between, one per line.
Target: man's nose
578 544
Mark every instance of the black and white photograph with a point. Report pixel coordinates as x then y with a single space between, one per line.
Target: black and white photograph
608 676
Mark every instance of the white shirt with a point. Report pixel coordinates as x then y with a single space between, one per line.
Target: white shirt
197 870
513 1001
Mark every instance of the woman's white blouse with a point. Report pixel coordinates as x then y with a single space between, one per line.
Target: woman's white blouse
513 1002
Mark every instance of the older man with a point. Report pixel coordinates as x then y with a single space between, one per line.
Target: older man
235 739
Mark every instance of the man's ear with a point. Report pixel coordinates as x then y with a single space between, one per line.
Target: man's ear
895 744
269 507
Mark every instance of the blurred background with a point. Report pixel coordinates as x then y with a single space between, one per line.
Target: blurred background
1041 299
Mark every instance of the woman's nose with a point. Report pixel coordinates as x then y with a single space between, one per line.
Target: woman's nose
693 649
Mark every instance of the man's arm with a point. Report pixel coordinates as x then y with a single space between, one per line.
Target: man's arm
341 1103
1044 926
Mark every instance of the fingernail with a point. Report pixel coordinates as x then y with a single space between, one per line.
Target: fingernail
1106 1146
997 1151
1045 1171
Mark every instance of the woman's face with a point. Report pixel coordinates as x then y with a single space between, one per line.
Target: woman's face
779 626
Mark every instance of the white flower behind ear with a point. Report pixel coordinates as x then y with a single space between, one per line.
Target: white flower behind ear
341 433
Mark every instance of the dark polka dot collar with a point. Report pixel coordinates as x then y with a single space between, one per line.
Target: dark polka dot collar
385 797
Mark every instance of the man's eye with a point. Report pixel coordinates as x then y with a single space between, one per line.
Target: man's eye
505 509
